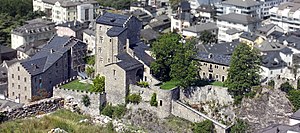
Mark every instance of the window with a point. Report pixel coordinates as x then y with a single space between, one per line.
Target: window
24 79
19 87
13 93
110 40
12 85
223 68
100 27
18 77
271 72
160 102
25 97
25 88
101 39
19 96
100 50
217 76
12 76
18 68
86 14
114 72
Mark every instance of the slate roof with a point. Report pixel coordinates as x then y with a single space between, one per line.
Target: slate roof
140 53
127 62
238 18
4 49
275 35
185 5
272 60
280 128
149 34
225 48
49 54
249 36
32 48
115 31
242 3
75 25
68 3
34 28
214 58
286 50
265 28
296 115
201 27
90 31
206 8
232 31
269 45
112 19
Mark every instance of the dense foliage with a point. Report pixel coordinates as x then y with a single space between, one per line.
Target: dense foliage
207 37
86 100
90 60
239 127
114 111
143 84
90 71
243 72
117 4
98 84
14 13
134 98
153 101
203 127
286 87
174 60
294 97
271 83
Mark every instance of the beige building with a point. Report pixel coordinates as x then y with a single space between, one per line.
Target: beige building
67 10
213 66
34 30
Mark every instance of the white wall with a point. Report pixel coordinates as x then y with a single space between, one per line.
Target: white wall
17 41
81 12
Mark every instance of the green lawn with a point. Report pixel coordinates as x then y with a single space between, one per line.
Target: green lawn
169 85
217 83
76 85
63 119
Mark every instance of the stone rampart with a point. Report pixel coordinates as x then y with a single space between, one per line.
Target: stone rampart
34 108
75 97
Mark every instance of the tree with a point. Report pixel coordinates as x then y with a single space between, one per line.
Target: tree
86 100
134 98
286 87
207 37
90 71
98 84
153 101
174 3
203 127
175 60
294 97
239 127
243 71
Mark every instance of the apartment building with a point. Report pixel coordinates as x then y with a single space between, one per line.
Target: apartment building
235 21
267 5
35 30
286 16
60 59
67 10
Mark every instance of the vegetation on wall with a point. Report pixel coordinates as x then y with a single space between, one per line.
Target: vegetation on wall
143 84
294 97
286 87
98 84
86 100
271 83
239 127
153 101
203 127
114 111
134 98
243 72
40 94
175 60
90 71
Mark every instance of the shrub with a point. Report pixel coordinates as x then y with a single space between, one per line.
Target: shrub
134 98
86 100
286 87
143 84
114 111
294 97
110 127
98 84
153 101
239 127
271 83
298 84
203 127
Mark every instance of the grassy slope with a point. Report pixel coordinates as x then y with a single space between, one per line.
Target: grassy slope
76 85
60 119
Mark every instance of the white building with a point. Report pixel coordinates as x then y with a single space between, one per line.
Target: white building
245 7
67 10
196 30
267 5
90 39
235 21
287 16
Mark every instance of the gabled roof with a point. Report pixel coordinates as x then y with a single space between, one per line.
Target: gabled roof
201 27
272 60
214 58
149 34
238 18
249 36
127 62
185 5
242 3
266 28
269 45
225 48
75 25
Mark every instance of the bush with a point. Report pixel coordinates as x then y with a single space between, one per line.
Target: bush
98 84
298 84
203 127
286 87
271 83
134 98
110 127
239 127
86 100
143 84
153 101
114 111
294 97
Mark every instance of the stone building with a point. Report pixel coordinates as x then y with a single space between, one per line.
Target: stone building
35 30
117 56
60 59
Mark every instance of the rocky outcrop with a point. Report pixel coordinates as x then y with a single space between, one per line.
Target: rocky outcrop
270 106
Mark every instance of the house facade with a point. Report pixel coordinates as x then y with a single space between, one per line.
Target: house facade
72 28
59 60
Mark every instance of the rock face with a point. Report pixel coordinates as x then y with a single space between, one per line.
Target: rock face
269 107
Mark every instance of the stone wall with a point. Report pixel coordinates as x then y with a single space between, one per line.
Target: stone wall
35 108
75 96
181 110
